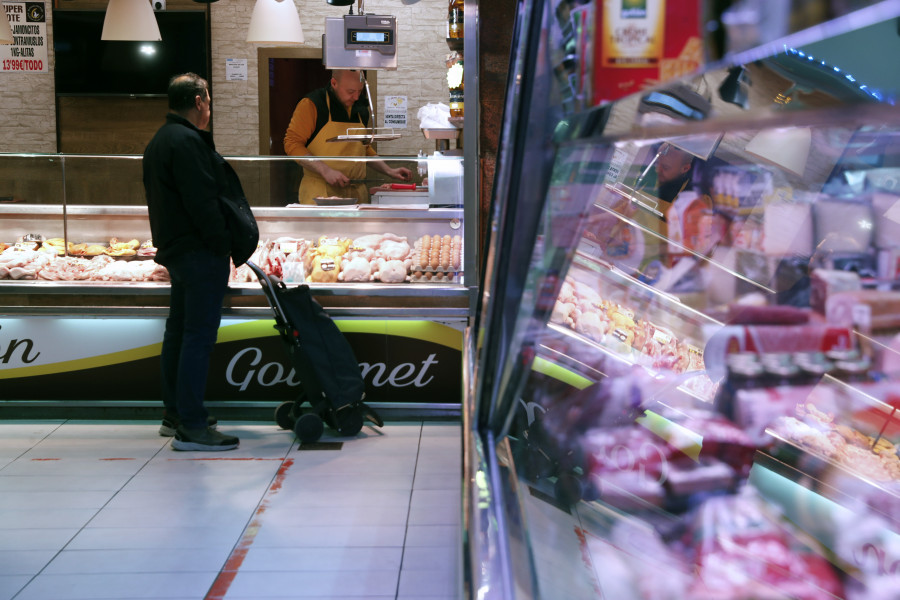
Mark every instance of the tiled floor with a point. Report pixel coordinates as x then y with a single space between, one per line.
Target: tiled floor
107 510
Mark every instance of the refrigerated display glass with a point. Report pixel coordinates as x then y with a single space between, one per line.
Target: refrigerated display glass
685 378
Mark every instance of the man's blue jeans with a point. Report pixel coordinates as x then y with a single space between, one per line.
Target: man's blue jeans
199 282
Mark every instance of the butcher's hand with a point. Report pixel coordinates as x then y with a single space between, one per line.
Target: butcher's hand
401 173
335 178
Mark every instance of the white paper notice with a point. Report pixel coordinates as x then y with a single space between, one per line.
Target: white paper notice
235 69
395 108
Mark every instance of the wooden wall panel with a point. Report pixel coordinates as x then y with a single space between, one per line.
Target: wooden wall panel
108 125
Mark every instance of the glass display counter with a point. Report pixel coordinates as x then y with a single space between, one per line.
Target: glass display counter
690 389
76 253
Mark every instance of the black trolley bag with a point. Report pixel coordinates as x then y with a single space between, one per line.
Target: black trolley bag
333 386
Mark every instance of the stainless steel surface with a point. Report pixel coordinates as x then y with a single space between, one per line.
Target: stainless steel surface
336 54
441 134
471 132
381 290
368 138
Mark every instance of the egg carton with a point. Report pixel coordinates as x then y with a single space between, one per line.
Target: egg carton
432 275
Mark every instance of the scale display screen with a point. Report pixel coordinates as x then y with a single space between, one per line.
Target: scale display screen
362 36
360 42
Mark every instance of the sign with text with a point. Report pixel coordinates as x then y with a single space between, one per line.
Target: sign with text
28 52
235 69
395 108
86 358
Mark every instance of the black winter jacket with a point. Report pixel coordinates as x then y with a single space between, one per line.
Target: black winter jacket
184 178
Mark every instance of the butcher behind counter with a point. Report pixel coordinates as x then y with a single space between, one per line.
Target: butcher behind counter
324 114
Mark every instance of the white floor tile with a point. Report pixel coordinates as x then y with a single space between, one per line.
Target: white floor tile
164 560
432 535
24 562
438 481
51 500
11 584
61 483
41 518
216 481
154 537
432 558
107 586
27 465
347 559
309 497
285 514
273 535
428 584
171 516
451 497
359 483
35 539
440 463
107 510
435 515
334 463
197 498
55 447
308 584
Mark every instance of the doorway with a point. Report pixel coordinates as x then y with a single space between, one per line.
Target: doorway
286 75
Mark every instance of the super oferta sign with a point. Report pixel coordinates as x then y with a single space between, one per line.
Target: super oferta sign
28 51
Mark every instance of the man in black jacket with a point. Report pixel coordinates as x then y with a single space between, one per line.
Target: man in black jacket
184 178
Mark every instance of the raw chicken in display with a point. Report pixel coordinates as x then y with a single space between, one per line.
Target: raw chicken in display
356 269
391 271
580 308
366 258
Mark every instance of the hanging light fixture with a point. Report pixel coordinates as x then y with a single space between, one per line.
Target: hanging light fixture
5 30
130 20
275 22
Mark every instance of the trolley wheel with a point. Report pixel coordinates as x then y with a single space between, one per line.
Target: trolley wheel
373 417
349 420
568 489
309 428
283 415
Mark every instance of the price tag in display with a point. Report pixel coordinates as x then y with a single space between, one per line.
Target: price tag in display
288 247
862 316
615 165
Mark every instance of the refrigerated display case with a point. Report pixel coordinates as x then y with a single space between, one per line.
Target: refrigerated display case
689 388
82 301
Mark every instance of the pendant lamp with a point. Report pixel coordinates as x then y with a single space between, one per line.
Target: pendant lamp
5 30
275 22
130 20
787 148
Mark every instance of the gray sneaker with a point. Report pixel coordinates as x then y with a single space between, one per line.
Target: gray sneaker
170 424
205 439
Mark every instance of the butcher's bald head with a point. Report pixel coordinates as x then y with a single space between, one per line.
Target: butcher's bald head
347 86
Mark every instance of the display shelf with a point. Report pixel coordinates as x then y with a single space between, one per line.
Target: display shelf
827 478
720 258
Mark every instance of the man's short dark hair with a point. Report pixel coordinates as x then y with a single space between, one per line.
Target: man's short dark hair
183 89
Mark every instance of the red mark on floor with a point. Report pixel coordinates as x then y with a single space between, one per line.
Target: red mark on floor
226 576
225 458
44 459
